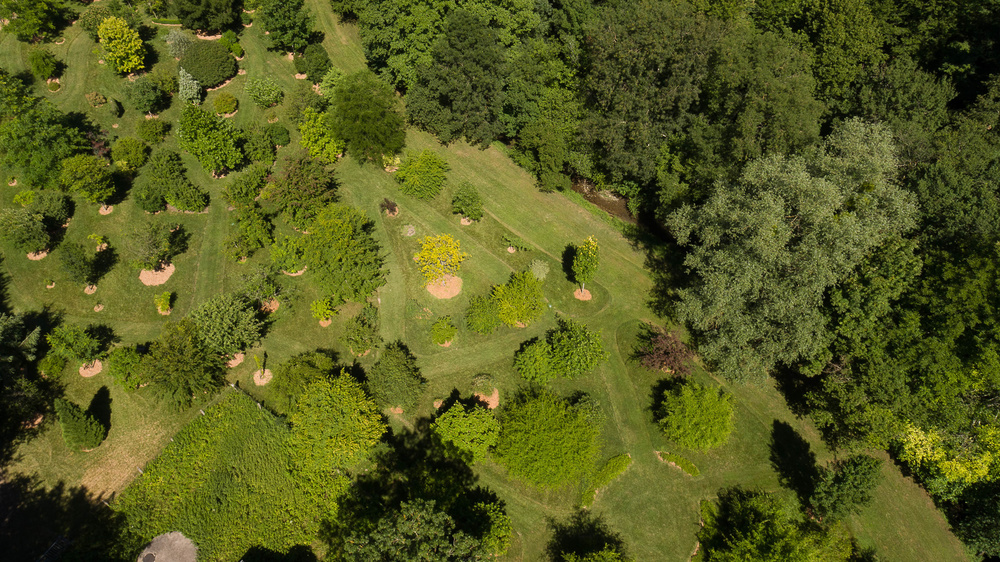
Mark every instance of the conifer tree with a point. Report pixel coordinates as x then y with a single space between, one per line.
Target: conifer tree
80 430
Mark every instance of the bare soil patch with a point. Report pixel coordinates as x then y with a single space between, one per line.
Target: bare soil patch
582 295
102 247
165 312
297 273
270 306
466 222
228 115
260 378
236 360
511 249
438 403
520 325
99 308
391 214
88 370
208 37
445 344
90 289
35 256
51 285
12 183
155 277
325 323
445 288
397 410
492 401
301 76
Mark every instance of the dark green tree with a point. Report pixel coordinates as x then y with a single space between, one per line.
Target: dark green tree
576 350
416 532
163 179
365 113
80 430
35 142
460 93
228 323
397 36
89 176
31 20
144 95
343 254
288 23
302 190
467 202
180 365
76 263
847 487
209 63
43 63
74 343
24 229
207 15
394 380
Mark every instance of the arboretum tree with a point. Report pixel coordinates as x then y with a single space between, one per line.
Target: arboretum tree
163 179
75 262
180 365
696 416
666 352
30 20
439 257
546 441
81 431
210 139
847 487
343 254
319 136
287 22
24 229
34 140
292 377
209 63
570 351
365 113
397 36
74 343
416 531
228 323
585 260
334 425
149 245
207 15
422 175
473 429
394 380
520 300
467 202
89 176
124 50
144 95
763 251
43 64
302 191
129 153
361 333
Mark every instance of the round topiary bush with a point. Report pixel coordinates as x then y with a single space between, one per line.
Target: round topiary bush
279 135
225 103
209 63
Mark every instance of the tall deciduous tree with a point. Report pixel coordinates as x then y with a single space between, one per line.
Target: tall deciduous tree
180 365
764 251
210 139
439 257
520 300
341 250
30 20
365 113
287 22
89 176
472 429
417 531
585 261
124 50
228 323
397 36
302 190
460 94
207 15
34 143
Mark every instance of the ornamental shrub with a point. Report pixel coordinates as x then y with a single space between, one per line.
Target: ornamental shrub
228 323
322 309
81 432
443 331
520 300
362 332
422 175
43 63
395 380
153 131
163 301
467 202
317 136
129 153
178 42
209 63
188 89
242 191
317 62
472 429
144 95
539 268
124 51
210 139
482 315
225 103
439 257
279 134
696 416
125 366
257 145
92 18
24 229
264 91
55 208
534 361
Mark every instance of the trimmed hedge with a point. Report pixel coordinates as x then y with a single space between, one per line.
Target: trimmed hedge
612 469
681 462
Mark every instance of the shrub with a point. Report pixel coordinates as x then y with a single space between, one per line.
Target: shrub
300 98
472 429
299 63
287 254
482 315
681 462
227 323
318 137
189 89
228 39
696 416
81 431
87 175
209 63
92 18
129 153
605 475
74 343
124 51
125 367
534 362
163 301
55 208
666 352
322 309
52 364
43 63
520 300
114 108
225 103
847 487
575 349
186 197
317 62
163 179
443 331
253 232
330 80
439 257
546 441
24 197
279 134
467 202
513 241
24 229
395 380
178 42
242 191
95 99
144 95
148 245
210 139
153 131
422 175
75 263
539 268
264 91
164 79
361 333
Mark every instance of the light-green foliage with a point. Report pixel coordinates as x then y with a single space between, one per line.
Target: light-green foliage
124 50
342 253
242 191
481 316
163 301
334 425
362 333
497 540
539 268
534 362
696 416
24 229
88 176
80 430
576 350
210 139
322 309
264 91
224 482
467 202
293 376
585 261
520 300
318 136
124 364
443 331
612 469
73 343
547 442
228 323
394 380
473 430
681 462
129 153
153 131
225 103
422 175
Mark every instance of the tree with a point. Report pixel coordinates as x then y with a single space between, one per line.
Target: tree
149 245
81 431
460 94
576 350
209 63
483 316
207 15
319 136
365 113
696 416
764 251
317 62
163 179
666 352
546 441
124 50
288 24
302 191
397 36
534 361
394 380
75 262
210 139
264 91
422 175
74 343
24 229
752 525
180 365
227 323
361 333
343 254
585 260
847 487
439 257
88 175
125 367
43 63
292 377
416 532
30 20
178 42
144 95
520 300
467 202
334 425
129 153
473 430
443 331
188 89
36 140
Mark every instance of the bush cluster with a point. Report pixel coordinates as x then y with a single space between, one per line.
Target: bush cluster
209 63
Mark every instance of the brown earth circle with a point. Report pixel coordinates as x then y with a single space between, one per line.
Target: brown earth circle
297 273
90 289
151 278
511 249
445 288
445 344
270 306
236 360
35 256
325 322
88 370
492 401
99 308
260 378
582 295
465 221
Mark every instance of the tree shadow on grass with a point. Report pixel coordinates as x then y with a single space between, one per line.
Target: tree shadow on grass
100 408
582 534
656 395
793 459
298 553
568 255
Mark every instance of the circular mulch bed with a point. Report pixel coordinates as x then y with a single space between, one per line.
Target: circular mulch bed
35 256
106 209
446 287
391 214
445 344
236 360
325 322
409 230
88 370
492 401
12 183
297 273
90 289
270 306
99 308
154 277
165 312
582 295
51 285
260 378
511 249
438 403
397 410
466 222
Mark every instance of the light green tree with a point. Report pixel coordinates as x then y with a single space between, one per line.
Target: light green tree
123 48
696 416
439 257
585 261
88 175
472 429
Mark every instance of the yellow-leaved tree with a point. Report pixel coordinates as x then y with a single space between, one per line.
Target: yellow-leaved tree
439 256
123 48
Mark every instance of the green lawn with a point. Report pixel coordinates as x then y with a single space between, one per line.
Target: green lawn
653 505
